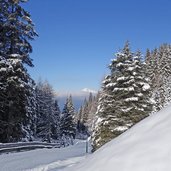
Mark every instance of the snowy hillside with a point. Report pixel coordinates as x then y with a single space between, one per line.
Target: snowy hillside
145 147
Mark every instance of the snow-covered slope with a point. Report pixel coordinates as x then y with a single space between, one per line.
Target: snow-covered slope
145 147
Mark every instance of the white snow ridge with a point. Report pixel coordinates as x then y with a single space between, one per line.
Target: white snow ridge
145 147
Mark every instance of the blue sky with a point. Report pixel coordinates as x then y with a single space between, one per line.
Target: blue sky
77 38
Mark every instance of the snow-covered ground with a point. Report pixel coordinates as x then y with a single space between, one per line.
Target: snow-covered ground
145 147
44 159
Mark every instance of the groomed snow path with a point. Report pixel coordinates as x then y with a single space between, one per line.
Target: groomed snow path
44 159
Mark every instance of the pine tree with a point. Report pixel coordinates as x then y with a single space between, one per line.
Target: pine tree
17 93
5 68
80 129
85 111
92 108
16 30
45 111
68 126
158 69
85 116
56 120
124 99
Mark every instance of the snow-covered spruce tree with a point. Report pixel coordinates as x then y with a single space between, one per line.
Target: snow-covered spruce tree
16 30
56 121
158 69
67 125
105 117
124 99
85 111
45 111
81 120
17 104
79 125
85 116
5 68
92 108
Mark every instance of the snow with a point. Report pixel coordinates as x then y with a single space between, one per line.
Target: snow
127 110
121 128
99 120
119 54
14 55
120 64
123 89
146 87
3 69
15 61
44 159
110 85
131 68
139 94
145 147
122 78
131 99
28 18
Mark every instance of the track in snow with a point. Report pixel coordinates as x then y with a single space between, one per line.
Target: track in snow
54 159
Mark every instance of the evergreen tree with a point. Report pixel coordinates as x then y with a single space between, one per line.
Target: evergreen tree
5 68
56 119
45 111
80 129
124 99
86 116
16 30
15 104
68 126
85 111
92 108
158 69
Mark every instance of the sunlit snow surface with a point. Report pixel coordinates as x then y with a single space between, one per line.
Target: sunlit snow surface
43 160
145 147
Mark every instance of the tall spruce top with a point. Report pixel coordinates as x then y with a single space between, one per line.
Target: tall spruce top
17 30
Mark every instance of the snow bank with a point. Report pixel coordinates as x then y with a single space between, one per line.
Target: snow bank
145 147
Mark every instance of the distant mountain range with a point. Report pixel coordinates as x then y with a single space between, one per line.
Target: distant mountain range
78 98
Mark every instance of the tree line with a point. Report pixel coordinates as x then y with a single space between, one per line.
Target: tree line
16 85
28 110
135 88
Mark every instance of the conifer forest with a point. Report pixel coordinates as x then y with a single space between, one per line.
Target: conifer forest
137 85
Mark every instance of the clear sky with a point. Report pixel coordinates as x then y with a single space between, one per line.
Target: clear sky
77 38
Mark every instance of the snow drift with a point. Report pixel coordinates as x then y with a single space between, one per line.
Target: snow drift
145 147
